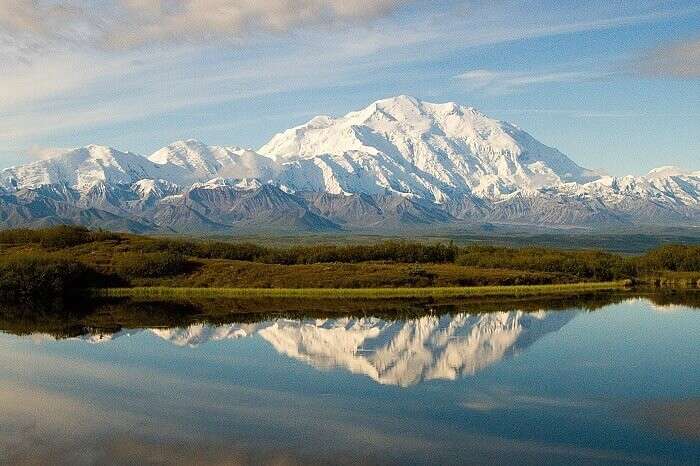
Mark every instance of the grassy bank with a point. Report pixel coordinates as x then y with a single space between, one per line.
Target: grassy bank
359 293
63 261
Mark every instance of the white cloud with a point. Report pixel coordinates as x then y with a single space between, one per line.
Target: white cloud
33 17
73 92
134 23
505 82
679 60
44 153
124 24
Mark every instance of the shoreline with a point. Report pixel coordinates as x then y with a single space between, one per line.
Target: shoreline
360 293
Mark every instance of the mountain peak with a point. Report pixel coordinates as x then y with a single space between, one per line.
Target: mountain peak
401 98
96 151
398 108
200 162
665 171
404 101
97 148
408 146
82 167
406 107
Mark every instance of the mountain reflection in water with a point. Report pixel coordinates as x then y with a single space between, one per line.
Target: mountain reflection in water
393 352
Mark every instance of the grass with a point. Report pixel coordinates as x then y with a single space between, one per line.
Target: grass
217 273
359 293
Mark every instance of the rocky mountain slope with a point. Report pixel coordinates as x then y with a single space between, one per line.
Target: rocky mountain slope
398 163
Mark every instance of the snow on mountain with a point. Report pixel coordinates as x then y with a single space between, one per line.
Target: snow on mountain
244 184
100 338
204 162
605 202
225 203
400 353
181 163
156 189
405 145
396 163
667 187
666 171
86 166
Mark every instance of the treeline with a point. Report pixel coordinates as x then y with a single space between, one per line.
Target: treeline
392 251
389 251
672 257
61 236
589 265
586 265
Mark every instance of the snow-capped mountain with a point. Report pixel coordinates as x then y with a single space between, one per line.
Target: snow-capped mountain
86 166
397 163
400 353
202 162
435 151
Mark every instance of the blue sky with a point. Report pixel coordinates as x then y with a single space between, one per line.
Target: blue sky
615 85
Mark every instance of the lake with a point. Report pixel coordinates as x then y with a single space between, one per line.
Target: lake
613 382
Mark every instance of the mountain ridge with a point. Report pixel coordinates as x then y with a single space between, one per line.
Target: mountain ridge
399 162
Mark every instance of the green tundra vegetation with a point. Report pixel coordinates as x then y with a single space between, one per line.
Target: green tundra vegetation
54 261
32 275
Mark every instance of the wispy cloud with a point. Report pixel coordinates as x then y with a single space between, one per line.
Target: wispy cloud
587 114
71 68
678 60
505 82
126 24
44 153
40 18
133 23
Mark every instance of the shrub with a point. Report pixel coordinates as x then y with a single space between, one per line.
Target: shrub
149 265
391 251
64 236
672 257
592 265
172 246
58 237
40 276
103 235
230 251
18 236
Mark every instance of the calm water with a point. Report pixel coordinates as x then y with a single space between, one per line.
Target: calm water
620 384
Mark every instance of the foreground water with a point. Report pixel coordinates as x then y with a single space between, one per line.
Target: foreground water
620 384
